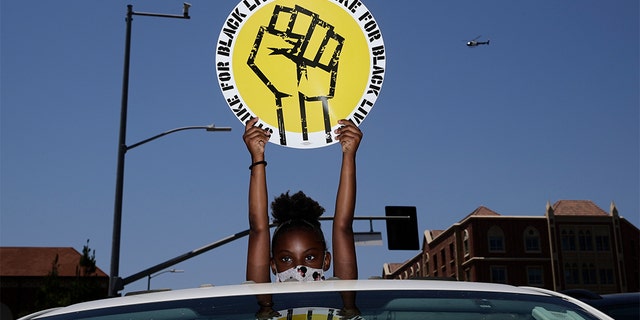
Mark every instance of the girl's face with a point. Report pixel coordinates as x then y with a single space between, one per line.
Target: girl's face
299 247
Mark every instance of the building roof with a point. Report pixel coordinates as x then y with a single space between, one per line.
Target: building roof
393 266
577 208
435 233
38 261
482 211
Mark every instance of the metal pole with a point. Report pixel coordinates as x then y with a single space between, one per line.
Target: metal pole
209 128
193 253
115 282
159 273
114 279
183 257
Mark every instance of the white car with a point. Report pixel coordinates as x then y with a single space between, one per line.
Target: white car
376 299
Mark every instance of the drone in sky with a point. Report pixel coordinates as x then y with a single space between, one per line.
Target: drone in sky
475 42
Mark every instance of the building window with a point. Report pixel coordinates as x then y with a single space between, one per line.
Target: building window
496 239
606 276
571 273
534 276
589 274
584 240
435 264
602 243
568 240
531 240
498 274
444 262
465 243
452 253
426 265
601 238
467 274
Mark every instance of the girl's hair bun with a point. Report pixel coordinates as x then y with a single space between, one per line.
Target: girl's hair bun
296 207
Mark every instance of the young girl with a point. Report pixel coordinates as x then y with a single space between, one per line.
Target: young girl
298 224
298 244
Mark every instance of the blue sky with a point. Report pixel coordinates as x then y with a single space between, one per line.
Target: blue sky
548 111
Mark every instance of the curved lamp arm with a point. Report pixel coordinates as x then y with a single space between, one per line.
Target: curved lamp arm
210 127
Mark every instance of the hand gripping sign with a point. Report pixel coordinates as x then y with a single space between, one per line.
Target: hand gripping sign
300 66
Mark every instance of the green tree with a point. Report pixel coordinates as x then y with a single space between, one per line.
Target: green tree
49 294
88 261
57 291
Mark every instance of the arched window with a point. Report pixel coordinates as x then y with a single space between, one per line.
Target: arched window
427 260
589 274
496 239
531 238
465 243
535 276
602 239
571 273
498 274
585 240
568 240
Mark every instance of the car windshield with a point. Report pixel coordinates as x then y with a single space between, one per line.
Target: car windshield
384 304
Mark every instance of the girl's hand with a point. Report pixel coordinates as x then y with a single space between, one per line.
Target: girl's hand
349 136
256 139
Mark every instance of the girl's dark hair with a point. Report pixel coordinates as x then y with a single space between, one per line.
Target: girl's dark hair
297 206
297 211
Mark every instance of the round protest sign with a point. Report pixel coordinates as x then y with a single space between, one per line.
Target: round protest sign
300 66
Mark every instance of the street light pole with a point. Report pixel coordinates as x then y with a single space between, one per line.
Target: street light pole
159 273
115 283
209 128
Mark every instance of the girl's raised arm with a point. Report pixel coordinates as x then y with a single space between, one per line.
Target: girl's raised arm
345 264
258 253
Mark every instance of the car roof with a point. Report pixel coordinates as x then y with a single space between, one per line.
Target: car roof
616 299
292 287
604 299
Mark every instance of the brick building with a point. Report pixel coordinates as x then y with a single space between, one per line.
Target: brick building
24 272
575 244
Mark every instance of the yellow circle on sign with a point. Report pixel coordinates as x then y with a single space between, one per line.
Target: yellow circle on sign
352 72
